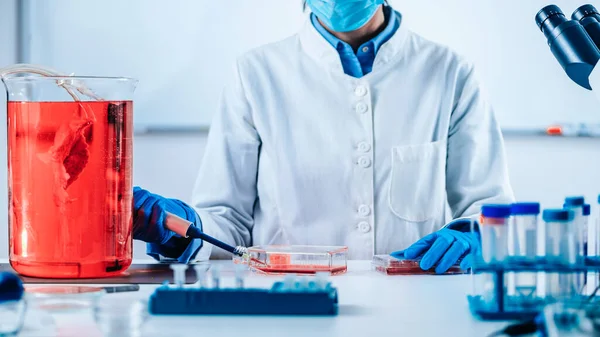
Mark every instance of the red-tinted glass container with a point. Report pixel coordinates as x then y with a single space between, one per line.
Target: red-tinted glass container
70 175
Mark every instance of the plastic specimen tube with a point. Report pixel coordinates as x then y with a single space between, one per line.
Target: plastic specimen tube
216 275
240 273
321 280
179 274
523 230
591 278
560 249
560 236
577 204
200 270
494 232
289 281
522 246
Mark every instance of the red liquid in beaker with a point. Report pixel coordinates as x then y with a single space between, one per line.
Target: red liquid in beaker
70 188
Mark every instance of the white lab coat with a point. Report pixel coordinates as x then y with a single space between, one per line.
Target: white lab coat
300 153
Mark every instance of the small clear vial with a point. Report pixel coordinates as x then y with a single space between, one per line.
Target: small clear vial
289 282
321 280
216 276
120 317
12 304
576 204
494 232
240 275
589 249
200 270
522 246
560 248
179 274
587 211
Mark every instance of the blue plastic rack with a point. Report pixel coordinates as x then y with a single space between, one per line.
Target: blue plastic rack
279 300
505 307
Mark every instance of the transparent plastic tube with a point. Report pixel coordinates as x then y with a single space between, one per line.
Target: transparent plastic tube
494 239
523 241
522 247
69 84
561 249
560 242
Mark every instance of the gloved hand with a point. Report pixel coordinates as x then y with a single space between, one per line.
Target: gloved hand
149 216
443 249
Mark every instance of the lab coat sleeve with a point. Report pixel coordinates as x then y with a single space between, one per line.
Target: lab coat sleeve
476 169
225 191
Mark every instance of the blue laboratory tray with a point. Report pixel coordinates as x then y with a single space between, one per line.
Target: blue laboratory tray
482 309
538 265
167 300
512 308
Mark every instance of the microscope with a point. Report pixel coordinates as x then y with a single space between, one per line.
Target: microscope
575 43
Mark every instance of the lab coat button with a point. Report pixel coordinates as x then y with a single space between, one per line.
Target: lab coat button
364 210
364 162
362 108
364 147
364 227
360 91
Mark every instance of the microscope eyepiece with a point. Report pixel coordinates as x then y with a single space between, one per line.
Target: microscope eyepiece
569 41
549 17
589 17
586 11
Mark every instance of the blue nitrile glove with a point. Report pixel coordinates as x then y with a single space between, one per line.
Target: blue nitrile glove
149 212
445 247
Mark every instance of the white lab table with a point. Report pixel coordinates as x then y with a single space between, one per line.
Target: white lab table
370 304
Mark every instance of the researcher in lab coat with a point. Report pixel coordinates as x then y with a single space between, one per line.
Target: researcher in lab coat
355 131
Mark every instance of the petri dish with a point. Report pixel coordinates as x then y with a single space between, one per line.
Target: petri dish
118 317
301 260
63 298
390 265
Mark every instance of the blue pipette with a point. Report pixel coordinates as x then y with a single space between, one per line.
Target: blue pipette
185 229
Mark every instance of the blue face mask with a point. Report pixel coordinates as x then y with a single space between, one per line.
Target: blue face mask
344 15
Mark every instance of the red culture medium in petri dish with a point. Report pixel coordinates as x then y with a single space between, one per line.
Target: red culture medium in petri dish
306 260
394 266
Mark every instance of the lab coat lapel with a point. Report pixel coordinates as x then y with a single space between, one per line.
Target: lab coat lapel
324 54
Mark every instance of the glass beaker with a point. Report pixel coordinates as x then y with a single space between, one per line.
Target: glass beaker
70 175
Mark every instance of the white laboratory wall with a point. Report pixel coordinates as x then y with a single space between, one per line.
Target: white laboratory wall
181 67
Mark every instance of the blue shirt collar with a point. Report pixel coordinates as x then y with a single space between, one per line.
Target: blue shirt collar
391 18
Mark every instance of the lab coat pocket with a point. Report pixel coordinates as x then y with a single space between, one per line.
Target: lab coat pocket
417 183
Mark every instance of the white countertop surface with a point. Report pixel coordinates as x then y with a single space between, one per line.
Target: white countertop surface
370 304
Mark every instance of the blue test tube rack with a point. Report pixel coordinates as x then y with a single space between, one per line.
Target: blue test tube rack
497 304
303 296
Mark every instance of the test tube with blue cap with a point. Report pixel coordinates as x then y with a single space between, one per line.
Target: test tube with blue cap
494 232
577 204
179 274
522 246
588 231
591 278
560 249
